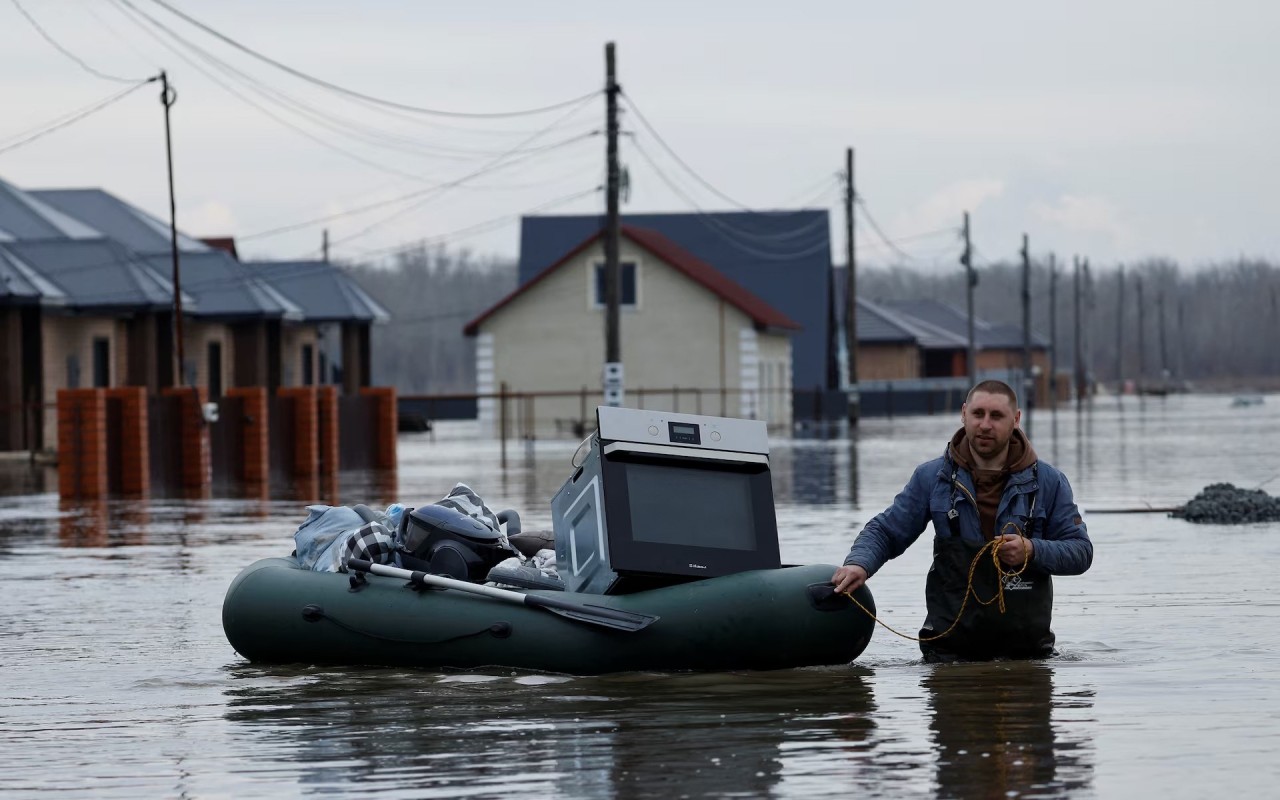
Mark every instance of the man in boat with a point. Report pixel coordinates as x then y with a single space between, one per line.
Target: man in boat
987 492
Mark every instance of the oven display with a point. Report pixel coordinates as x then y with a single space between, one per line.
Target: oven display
683 433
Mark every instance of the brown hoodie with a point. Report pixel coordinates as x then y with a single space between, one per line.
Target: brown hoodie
989 484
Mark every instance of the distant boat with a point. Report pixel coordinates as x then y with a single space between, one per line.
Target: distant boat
1247 400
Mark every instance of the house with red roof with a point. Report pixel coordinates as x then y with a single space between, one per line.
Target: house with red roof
693 340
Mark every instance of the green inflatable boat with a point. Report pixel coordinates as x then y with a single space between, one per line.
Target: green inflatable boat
277 612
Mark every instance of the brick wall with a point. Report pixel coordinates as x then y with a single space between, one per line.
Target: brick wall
328 428
193 437
133 459
306 432
82 443
256 467
386 417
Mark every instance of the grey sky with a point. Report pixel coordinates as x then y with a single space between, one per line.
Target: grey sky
1116 130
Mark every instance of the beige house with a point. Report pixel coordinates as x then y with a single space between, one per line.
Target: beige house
692 340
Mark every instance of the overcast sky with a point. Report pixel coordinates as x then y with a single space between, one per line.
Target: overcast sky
1117 130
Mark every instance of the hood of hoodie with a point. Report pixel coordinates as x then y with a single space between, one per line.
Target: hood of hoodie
1021 454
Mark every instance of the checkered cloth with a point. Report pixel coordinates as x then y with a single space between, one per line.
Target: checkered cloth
371 542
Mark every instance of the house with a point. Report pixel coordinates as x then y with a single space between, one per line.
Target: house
683 324
783 256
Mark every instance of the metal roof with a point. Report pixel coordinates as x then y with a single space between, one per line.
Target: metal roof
322 291
986 335
25 217
782 257
96 274
22 285
116 219
223 287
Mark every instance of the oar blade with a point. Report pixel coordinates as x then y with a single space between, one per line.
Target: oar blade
604 617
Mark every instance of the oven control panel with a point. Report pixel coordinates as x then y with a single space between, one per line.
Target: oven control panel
682 430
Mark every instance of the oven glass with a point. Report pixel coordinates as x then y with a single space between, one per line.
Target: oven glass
691 507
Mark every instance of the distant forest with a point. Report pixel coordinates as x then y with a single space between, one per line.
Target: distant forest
1215 325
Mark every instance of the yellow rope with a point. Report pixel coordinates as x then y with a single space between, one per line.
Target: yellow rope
1001 575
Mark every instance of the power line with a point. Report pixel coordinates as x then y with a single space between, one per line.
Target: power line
75 117
360 95
79 61
890 243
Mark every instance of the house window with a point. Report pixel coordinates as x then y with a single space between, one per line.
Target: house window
101 362
215 370
626 285
308 376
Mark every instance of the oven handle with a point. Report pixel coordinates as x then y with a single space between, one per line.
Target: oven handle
691 453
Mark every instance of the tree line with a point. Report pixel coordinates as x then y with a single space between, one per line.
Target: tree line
1216 324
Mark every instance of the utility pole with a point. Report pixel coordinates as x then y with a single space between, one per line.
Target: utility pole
167 98
1078 348
1087 331
1027 382
1053 330
1142 356
1120 333
851 290
1164 349
971 280
613 376
324 245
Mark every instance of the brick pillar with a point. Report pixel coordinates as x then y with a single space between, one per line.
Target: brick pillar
135 453
256 468
193 436
82 443
385 418
306 429
328 424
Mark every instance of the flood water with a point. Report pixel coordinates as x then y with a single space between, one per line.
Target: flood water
119 682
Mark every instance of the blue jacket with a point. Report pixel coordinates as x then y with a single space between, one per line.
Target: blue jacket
1062 545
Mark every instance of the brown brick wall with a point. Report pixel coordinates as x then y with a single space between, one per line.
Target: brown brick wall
256 467
82 443
134 456
385 411
328 429
306 431
193 438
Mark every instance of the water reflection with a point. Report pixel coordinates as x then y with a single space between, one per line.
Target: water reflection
995 735
623 736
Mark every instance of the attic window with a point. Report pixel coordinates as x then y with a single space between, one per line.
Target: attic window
626 285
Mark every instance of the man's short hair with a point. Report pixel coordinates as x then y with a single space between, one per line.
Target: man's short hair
994 387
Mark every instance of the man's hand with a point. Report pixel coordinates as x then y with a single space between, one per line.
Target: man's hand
1015 550
848 578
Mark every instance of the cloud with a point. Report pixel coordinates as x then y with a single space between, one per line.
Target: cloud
211 218
1086 214
944 208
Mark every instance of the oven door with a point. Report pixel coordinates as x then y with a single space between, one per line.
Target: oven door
688 511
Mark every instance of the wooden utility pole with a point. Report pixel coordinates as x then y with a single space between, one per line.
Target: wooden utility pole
1027 382
1087 331
1120 333
1164 348
971 280
613 376
324 246
1142 356
1077 343
1053 330
167 98
851 290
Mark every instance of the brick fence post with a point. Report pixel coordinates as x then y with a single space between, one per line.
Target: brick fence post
254 434
82 443
193 436
328 424
306 429
385 424
135 450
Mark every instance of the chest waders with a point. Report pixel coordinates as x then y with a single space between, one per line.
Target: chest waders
983 632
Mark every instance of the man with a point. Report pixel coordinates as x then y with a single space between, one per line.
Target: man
987 490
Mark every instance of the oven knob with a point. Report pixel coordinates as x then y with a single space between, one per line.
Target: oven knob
715 436
653 430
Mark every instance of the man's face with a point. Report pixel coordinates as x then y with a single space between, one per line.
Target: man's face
989 420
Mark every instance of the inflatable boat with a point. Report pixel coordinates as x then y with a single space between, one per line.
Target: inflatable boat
277 612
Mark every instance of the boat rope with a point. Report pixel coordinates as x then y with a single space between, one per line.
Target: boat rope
1001 576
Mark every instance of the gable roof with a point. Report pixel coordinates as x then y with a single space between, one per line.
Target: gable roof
322 291
784 256
761 313
22 285
116 219
97 274
225 288
22 216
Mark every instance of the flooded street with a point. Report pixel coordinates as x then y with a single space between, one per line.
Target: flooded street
119 682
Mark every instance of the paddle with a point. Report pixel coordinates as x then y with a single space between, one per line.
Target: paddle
593 615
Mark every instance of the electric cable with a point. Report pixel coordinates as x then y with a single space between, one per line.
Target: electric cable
57 46
62 122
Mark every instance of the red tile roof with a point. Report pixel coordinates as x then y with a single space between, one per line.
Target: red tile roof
760 312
